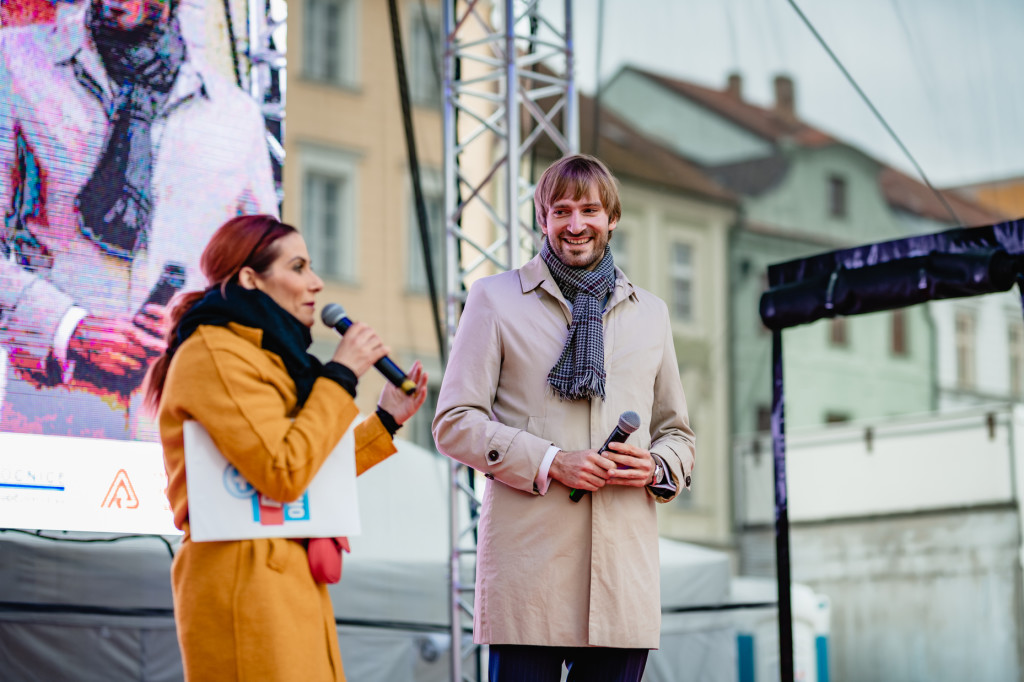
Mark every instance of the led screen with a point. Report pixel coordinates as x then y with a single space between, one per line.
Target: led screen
124 143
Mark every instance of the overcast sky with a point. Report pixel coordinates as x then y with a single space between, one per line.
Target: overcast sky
948 75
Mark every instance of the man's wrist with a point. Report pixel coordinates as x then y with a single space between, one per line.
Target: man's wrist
657 474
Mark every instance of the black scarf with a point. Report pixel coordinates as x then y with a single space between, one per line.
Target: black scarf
283 334
115 206
579 372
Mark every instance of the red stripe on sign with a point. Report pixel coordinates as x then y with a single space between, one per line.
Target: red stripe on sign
271 512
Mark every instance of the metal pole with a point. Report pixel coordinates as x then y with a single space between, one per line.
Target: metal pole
512 104
781 514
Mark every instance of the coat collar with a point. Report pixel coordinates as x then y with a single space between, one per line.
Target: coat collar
250 334
535 274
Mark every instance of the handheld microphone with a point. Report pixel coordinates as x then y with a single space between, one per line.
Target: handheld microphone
333 315
629 421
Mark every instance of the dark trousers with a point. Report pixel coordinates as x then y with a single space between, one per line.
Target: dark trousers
514 663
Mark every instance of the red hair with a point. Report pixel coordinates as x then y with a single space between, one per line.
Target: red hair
245 241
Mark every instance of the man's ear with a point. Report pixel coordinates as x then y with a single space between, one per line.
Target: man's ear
248 279
612 224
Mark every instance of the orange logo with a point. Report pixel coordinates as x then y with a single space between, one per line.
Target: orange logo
121 490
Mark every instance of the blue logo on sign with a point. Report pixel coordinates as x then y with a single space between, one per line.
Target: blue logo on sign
237 486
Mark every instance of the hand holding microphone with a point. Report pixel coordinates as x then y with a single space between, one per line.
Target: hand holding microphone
629 421
365 348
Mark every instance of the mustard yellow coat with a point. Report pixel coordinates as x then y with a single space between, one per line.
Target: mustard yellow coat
250 610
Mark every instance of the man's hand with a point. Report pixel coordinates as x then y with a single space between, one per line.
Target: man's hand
637 465
115 344
581 469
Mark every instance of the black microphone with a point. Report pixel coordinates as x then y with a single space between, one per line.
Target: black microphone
333 315
629 421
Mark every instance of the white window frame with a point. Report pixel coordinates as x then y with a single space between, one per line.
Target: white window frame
343 165
349 22
676 272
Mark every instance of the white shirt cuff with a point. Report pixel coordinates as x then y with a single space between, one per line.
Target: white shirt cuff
543 480
62 338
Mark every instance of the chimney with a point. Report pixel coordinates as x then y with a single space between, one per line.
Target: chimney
734 87
785 98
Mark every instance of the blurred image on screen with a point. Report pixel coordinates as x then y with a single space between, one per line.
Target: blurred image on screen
121 151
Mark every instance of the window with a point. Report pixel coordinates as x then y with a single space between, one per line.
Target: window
620 243
898 335
329 49
837 196
424 56
681 280
1016 343
965 371
417 271
837 332
328 211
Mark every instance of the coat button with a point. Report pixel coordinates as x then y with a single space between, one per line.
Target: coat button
492 456
687 481
490 476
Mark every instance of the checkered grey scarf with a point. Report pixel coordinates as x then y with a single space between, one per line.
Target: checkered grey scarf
579 372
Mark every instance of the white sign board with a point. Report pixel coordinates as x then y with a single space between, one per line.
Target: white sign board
222 505
83 484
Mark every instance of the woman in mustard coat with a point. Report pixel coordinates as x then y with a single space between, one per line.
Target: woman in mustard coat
237 363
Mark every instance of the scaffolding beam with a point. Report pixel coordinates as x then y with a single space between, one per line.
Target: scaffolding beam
508 89
267 75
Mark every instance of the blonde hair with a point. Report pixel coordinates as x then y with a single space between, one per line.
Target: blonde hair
574 175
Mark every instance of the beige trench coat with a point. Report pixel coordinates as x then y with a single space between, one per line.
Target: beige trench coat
552 572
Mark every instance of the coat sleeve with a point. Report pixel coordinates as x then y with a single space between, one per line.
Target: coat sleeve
465 427
671 436
246 417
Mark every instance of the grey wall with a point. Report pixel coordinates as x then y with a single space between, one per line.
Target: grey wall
929 598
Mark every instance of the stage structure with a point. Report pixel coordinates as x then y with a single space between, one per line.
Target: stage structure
865 279
268 75
508 82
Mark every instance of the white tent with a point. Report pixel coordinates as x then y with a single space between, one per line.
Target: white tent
102 610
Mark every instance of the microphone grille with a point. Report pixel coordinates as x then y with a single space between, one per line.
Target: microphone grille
332 314
629 421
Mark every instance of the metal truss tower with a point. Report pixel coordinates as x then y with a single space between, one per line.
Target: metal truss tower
508 88
266 79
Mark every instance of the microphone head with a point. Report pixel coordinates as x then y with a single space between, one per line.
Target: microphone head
332 314
629 421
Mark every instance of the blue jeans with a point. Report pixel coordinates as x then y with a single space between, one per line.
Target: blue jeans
515 663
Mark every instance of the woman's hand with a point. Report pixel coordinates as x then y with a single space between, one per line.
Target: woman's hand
359 348
399 405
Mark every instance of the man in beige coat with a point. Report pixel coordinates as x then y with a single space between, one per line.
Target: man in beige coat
545 360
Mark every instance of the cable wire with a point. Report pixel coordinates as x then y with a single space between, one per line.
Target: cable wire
875 111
